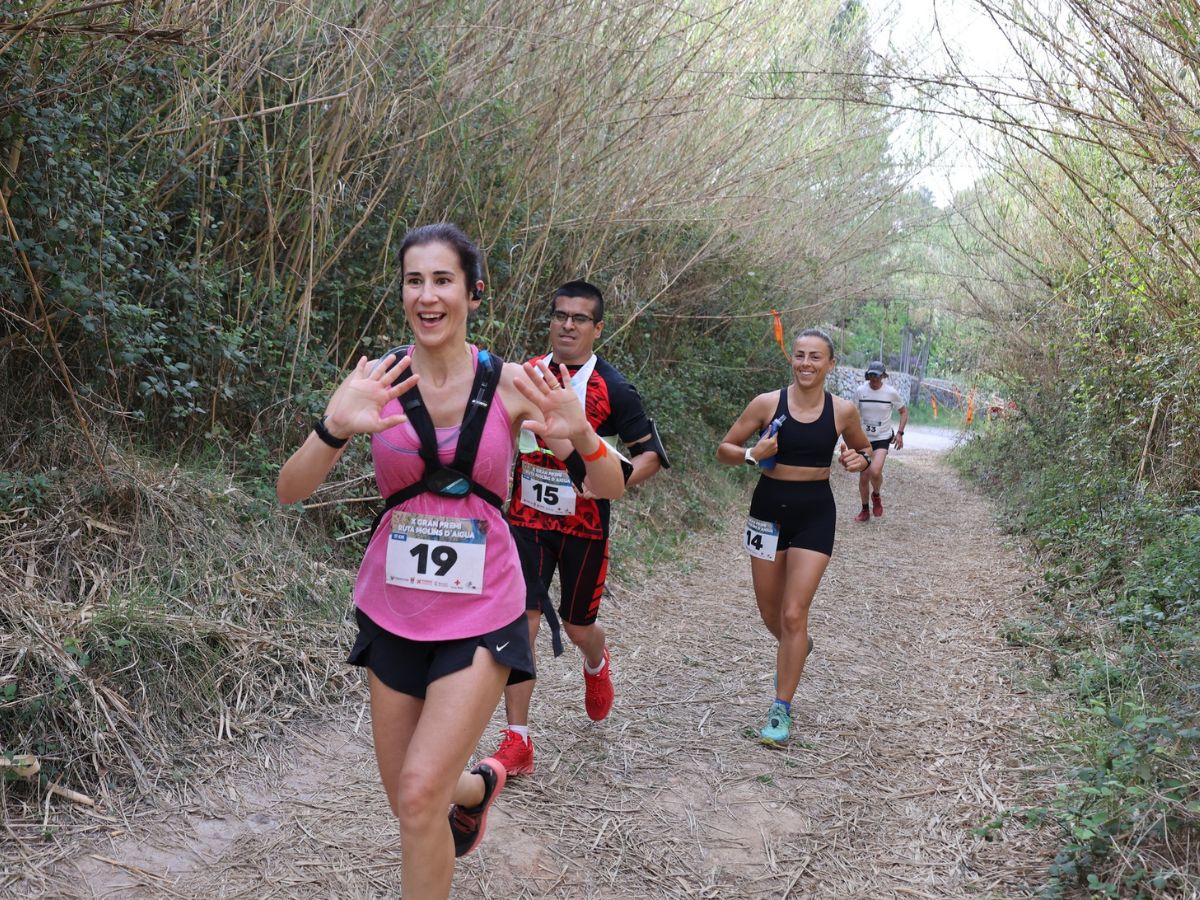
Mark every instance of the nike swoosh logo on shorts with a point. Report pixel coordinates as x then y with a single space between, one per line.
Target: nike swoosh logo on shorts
500 647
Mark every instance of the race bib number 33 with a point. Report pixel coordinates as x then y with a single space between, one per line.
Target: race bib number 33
436 553
761 538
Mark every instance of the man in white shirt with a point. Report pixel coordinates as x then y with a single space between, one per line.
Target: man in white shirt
875 404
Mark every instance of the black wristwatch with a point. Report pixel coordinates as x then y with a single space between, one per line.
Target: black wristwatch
327 437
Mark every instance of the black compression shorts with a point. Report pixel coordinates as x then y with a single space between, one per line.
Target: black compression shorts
411 666
804 511
582 567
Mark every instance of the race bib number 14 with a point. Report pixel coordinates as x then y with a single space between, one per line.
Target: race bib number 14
761 538
436 553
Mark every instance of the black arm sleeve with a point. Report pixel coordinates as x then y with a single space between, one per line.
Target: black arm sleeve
628 418
576 468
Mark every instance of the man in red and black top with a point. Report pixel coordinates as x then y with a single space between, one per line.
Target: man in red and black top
558 523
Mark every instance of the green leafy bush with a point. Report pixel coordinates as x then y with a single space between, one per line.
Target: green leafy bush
1122 576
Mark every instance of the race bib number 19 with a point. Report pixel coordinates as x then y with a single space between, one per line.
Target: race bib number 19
547 490
436 553
761 538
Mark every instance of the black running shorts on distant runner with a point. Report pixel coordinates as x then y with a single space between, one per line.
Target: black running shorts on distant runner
804 511
582 567
881 445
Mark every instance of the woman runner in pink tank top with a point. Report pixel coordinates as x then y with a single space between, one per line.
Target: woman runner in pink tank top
441 601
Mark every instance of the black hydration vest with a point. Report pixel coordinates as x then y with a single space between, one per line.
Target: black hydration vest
455 479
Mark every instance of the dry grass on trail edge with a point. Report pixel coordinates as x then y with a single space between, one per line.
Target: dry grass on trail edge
152 629
910 733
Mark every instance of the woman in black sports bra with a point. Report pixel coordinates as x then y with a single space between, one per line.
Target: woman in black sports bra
789 534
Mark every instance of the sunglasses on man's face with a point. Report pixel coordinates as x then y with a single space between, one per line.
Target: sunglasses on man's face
578 318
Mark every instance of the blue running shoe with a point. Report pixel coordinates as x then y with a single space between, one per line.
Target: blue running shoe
778 727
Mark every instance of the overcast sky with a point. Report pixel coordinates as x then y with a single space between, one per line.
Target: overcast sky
920 31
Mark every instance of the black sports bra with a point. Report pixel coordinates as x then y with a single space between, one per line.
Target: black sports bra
806 443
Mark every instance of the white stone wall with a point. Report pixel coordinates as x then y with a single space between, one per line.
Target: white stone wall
843 380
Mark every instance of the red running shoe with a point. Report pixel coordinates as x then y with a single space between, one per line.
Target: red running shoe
876 505
598 691
515 753
864 516
467 825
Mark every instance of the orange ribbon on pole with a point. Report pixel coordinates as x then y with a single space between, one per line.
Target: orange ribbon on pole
779 331
933 402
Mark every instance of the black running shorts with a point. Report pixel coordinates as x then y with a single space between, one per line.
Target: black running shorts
411 666
881 445
804 511
582 567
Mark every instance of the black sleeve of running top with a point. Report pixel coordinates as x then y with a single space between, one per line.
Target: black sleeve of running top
628 418
576 468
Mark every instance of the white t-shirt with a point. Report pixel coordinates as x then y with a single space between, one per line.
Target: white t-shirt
876 407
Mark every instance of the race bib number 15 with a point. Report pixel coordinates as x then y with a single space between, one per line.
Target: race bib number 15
761 538
436 553
547 490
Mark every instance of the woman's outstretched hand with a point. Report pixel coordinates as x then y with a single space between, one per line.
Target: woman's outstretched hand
356 407
562 414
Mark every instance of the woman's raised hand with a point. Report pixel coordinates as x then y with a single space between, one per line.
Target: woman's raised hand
356 407
561 410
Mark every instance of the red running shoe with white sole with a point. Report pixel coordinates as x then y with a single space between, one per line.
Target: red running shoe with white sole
515 753
598 691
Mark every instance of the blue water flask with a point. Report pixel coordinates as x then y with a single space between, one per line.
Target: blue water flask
769 462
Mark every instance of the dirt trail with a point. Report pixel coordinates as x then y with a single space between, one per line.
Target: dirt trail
909 733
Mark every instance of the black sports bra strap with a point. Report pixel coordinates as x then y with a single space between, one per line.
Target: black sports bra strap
781 408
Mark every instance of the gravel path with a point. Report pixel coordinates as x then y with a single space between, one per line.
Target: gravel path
909 731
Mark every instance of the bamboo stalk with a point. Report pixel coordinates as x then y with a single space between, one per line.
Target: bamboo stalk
68 794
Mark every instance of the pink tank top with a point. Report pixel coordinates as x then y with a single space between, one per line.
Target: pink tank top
435 615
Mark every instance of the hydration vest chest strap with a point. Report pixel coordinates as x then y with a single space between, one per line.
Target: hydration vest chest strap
455 479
